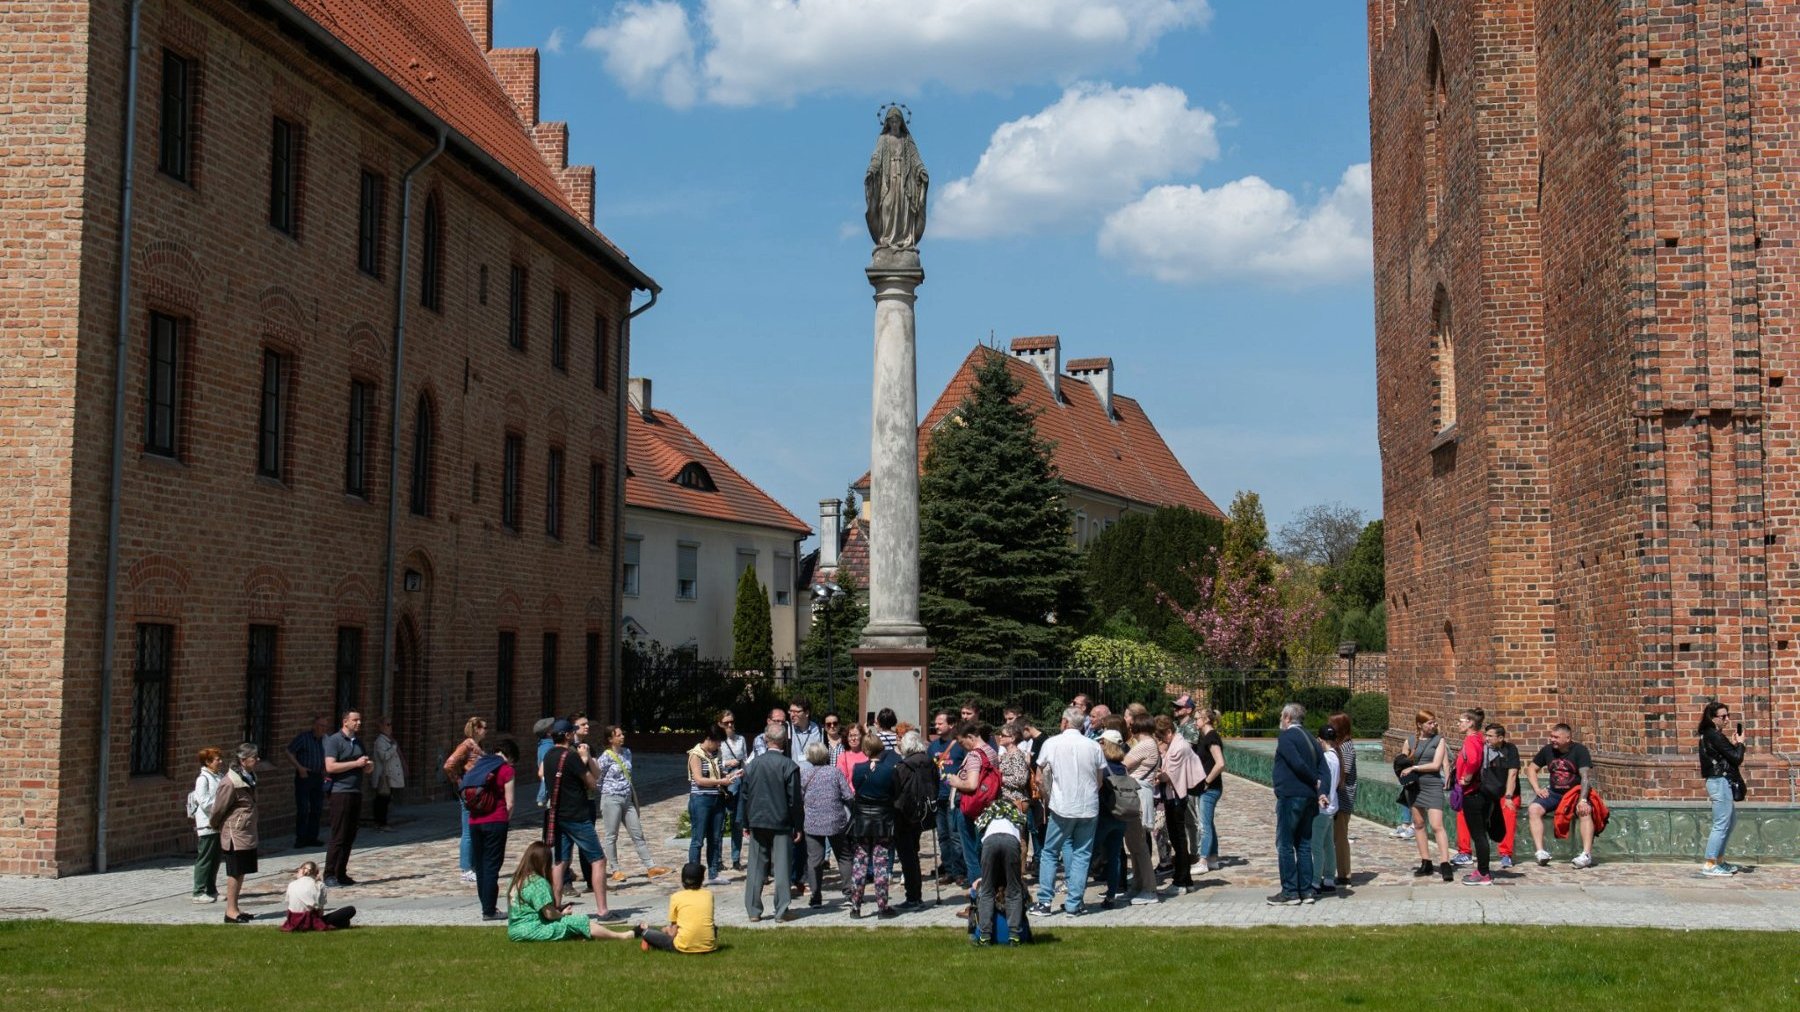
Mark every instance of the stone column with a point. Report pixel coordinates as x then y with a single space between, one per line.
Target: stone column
894 460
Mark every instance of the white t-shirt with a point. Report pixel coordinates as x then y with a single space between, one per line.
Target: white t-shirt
1071 762
304 894
1331 761
1001 827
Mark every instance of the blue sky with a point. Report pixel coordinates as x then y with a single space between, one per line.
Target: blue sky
1181 185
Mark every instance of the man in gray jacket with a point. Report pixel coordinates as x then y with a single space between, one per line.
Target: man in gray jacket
772 811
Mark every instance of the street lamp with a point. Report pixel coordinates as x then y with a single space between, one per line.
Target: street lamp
823 594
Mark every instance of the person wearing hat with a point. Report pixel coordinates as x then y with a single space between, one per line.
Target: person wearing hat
1324 844
569 768
1189 729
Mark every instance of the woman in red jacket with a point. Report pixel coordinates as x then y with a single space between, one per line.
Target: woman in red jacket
1467 775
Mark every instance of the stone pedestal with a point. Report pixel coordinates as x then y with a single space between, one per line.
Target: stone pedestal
894 460
894 678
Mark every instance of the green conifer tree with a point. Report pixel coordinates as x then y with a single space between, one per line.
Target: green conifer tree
1000 579
752 634
1246 556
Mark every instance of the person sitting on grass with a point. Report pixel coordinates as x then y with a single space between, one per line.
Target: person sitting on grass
306 903
690 915
533 914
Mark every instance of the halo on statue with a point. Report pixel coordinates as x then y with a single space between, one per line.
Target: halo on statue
881 114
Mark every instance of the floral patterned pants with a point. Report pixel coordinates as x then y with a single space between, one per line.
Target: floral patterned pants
869 855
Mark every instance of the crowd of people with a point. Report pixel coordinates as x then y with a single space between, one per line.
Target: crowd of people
1120 799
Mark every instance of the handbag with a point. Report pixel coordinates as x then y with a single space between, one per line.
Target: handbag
1732 776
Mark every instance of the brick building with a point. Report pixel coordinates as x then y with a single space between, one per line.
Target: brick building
1585 246
273 246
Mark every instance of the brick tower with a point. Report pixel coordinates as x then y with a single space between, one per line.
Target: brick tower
1585 243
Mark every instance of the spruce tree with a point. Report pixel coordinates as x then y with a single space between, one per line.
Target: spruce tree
999 577
752 634
1143 553
1246 557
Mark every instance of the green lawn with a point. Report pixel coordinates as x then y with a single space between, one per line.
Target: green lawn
45 964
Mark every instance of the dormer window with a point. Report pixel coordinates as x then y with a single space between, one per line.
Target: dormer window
695 477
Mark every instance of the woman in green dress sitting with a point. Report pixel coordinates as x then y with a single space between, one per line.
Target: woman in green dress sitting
533 915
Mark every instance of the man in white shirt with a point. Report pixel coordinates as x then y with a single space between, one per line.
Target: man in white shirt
1070 769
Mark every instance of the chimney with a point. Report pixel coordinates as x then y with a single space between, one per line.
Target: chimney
1044 352
517 72
1099 373
479 16
829 510
639 392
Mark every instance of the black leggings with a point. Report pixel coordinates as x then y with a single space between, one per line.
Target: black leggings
340 918
1476 807
1175 828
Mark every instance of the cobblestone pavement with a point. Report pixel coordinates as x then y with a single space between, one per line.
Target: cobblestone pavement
410 876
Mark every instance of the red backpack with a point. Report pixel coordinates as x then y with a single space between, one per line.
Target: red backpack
987 788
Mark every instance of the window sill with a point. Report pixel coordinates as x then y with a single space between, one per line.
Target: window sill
1443 439
356 498
269 481
156 459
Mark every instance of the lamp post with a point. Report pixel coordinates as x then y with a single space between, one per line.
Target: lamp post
823 594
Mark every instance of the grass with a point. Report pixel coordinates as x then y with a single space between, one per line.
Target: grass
50 964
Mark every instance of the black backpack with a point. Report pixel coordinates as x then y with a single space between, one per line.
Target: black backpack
915 792
1119 796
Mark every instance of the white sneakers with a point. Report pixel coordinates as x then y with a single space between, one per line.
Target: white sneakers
468 876
1543 858
1144 899
1583 860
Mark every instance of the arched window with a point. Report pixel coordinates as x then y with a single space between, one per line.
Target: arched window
424 435
694 476
1443 350
431 256
1437 178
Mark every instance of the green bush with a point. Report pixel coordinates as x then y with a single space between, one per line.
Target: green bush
1368 714
1323 700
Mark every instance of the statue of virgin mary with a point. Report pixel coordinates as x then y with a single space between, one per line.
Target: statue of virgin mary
894 187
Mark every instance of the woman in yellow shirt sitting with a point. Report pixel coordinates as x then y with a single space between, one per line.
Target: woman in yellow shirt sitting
690 917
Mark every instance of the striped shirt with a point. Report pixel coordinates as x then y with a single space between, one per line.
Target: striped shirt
711 766
308 752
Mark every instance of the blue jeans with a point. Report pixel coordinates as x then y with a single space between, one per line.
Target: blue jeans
1724 812
1069 842
1293 844
1109 847
465 854
949 844
971 843
735 803
1209 840
706 824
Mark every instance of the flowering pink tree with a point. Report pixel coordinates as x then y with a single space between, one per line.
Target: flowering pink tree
1241 619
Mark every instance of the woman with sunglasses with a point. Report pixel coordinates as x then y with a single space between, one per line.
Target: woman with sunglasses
1721 753
734 753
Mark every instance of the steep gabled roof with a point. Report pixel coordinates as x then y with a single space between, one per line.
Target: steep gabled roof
1123 457
660 448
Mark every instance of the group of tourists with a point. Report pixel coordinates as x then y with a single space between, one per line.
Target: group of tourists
1123 799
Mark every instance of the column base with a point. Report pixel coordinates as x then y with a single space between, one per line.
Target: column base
894 677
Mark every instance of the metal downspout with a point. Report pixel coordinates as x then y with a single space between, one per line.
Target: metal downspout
115 492
394 407
617 635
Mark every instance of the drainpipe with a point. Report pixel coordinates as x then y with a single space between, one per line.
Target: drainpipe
394 408
121 365
617 635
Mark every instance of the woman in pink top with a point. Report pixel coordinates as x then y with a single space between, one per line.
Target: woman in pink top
852 756
1180 773
1467 772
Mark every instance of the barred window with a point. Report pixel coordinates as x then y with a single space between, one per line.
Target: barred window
284 177
162 387
150 697
349 669
259 685
356 440
175 143
559 331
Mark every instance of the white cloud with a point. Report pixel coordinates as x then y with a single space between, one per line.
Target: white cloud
1245 229
1091 151
554 43
649 48
759 51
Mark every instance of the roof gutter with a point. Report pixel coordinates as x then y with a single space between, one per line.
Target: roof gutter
578 231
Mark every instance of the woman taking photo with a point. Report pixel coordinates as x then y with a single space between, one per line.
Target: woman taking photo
733 754
234 817
199 808
824 793
619 804
872 824
462 760
707 795
1426 756
1721 753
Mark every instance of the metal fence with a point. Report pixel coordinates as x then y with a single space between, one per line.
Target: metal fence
680 693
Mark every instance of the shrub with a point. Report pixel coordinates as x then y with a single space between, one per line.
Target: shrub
1368 714
1323 700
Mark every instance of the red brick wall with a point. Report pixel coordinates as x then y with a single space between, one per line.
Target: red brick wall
207 545
1605 539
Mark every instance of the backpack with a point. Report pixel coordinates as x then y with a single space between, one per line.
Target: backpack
480 787
987 788
1124 802
915 794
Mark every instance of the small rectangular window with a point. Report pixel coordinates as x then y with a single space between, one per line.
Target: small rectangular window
349 669
553 493
559 337
783 581
356 440
596 491
746 559
284 164
272 433
431 258
162 393
515 308
547 688
599 352
506 655
150 697
512 479
629 585
687 572
368 224
259 686
175 142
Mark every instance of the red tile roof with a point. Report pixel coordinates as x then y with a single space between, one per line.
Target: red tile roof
1125 457
657 452
1043 343
425 47
1085 364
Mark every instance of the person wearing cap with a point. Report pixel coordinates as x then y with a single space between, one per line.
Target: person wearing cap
570 770
1189 728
